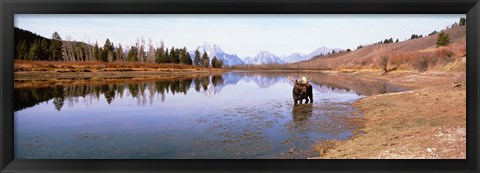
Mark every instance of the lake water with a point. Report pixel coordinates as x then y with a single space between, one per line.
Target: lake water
235 115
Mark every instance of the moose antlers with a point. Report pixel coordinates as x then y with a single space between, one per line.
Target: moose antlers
292 79
303 79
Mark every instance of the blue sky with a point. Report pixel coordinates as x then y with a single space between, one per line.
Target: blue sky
244 35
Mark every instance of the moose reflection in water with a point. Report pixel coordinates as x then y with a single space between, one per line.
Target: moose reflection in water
302 112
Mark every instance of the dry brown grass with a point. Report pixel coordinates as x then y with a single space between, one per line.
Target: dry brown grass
428 123
95 66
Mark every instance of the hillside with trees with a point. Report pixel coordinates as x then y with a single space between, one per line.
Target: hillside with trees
443 51
32 47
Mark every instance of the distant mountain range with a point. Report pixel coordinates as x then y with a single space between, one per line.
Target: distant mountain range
297 57
214 50
263 57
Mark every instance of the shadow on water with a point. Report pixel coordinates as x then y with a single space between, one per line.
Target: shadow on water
232 115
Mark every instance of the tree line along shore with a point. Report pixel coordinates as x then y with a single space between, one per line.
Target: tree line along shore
31 47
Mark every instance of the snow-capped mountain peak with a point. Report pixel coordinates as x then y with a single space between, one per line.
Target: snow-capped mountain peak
210 48
263 57
266 57
294 57
264 54
214 50
248 60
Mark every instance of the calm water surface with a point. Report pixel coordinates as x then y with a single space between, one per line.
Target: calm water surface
234 115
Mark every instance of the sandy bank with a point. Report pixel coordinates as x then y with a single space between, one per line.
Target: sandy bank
427 122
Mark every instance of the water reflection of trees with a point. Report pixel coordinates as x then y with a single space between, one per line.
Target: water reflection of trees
32 96
207 85
141 91
361 86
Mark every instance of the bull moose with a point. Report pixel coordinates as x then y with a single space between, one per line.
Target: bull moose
302 90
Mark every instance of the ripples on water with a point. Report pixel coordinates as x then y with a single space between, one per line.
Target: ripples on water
234 115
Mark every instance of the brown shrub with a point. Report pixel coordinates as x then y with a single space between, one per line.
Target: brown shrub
420 64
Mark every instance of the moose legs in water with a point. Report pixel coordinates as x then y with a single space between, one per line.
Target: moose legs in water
309 94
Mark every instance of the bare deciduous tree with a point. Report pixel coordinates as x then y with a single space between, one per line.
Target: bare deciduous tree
141 49
137 44
119 53
381 58
151 51
67 49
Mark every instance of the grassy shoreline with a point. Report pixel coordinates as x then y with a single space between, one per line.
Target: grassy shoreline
428 122
96 66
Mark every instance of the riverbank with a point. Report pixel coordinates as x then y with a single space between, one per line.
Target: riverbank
96 66
52 73
426 122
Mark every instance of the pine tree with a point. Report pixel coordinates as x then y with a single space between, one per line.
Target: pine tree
172 57
177 57
102 54
183 56
44 50
205 60
56 47
132 54
21 50
109 50
197 60
214 62
96 52
119 52
443 39
34 51
463 21
396 41
160 56
167 56
414 36
189 59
